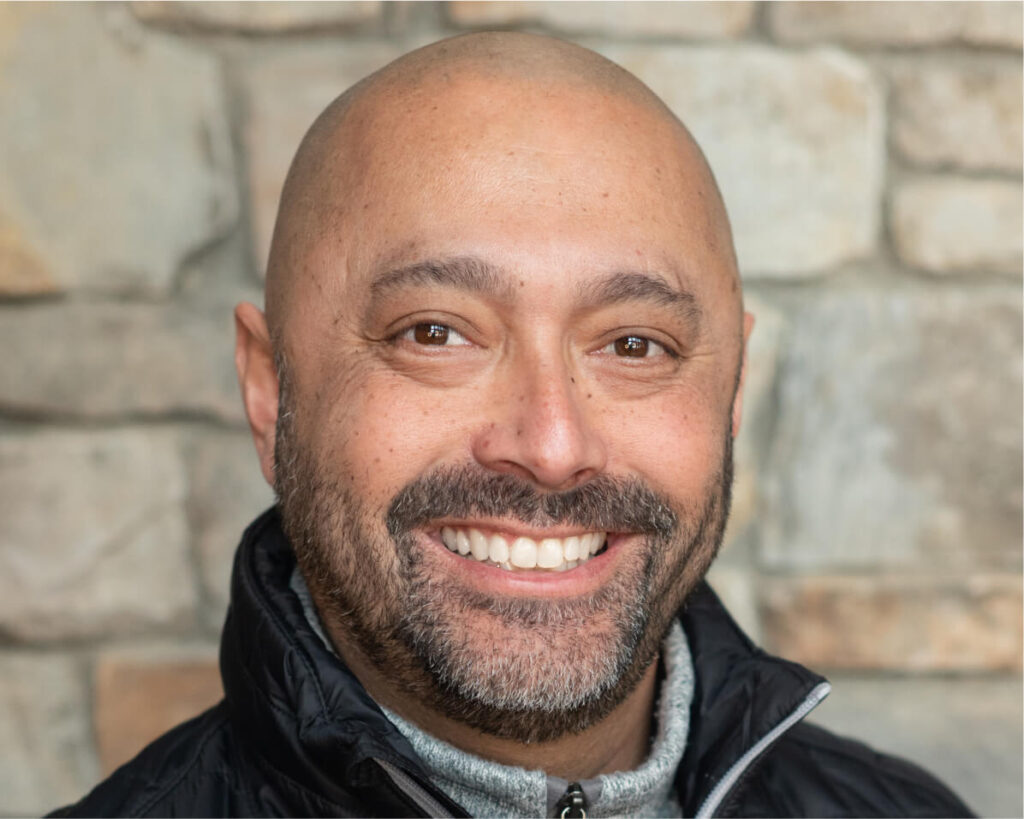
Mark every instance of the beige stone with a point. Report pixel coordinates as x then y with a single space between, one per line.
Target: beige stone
94 540
898 436
285 93
796 141
964 113
104 360
690 19
115 152
44 721
261 18
897 23
915 623
946 224
140 696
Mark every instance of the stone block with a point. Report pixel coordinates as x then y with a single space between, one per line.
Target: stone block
945 224
94 540
691 19
226 492
964 113
285 92
898 435
44 721
894 622
119 360
796 141
964 729
114 150
257 18
142 694
897 23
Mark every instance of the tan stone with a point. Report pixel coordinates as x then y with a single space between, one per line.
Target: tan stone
94 540
946 224
965 113
139 697
914 623
897 23
262 18
115 152
796 141
690 19
44 721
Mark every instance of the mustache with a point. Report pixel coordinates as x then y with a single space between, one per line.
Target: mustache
605 502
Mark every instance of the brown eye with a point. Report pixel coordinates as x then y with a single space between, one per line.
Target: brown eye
430 334
632 346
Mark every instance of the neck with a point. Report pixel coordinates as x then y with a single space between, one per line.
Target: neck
619 742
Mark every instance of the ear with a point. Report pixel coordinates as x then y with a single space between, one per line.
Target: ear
737 403
257 376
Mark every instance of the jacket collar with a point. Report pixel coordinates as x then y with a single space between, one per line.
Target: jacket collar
309 717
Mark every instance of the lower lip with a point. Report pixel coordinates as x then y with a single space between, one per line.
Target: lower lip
530 582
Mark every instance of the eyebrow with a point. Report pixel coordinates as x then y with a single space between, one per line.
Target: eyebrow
460 273
626 286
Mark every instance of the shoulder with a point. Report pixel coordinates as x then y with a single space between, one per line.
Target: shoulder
191 770
812 772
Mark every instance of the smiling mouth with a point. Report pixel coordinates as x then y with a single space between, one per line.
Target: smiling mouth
552 554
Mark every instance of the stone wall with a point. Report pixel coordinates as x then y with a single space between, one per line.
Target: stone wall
870 156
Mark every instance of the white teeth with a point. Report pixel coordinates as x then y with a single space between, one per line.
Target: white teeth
478 544
551 553
523 553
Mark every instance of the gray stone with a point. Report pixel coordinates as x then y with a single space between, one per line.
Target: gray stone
226 492
114 151
897 23
95 540
257 18
285 92
899 438
945 225
965 730
119 360
964 113
693 19
44 719
796 141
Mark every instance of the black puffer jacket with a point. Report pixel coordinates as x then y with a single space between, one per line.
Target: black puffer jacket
297 735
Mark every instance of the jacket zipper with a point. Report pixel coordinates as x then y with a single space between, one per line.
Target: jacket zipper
411 788
732 776
573 804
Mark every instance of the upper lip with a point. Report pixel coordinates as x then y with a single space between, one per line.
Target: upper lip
516 529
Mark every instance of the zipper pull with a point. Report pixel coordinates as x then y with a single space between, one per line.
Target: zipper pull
573 804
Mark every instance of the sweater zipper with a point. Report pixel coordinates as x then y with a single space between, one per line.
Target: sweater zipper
732 776
573 804
411 788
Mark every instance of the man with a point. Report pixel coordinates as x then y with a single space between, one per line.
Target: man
496 388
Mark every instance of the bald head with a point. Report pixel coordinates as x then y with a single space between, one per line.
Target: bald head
400 117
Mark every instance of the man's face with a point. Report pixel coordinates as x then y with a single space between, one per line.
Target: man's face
519 344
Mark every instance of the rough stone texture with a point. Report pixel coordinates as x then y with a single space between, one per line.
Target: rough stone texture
115 360
910 622
94 540
897 23
965 730
226 492
945 224
46 736
139 695
965 112
796 142
899 436
692 19
259 18
100 213
285 93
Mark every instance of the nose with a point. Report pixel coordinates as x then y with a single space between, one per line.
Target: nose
540 428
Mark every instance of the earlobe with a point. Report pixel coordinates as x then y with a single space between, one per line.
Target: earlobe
737 402
257 376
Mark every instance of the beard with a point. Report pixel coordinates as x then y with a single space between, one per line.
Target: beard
525 669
